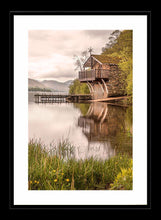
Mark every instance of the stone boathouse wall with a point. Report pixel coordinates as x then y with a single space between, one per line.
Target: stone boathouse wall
114 83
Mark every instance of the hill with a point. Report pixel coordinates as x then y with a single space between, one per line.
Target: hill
53 85
68 82
58 86
32 83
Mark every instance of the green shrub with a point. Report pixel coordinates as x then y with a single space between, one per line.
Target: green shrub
78 88
124 179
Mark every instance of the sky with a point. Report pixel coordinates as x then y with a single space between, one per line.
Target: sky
50 52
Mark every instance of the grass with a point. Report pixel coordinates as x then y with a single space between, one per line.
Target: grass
48 171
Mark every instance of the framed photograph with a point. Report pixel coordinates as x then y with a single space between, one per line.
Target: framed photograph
80 97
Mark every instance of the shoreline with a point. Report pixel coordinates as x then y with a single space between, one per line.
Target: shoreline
52 172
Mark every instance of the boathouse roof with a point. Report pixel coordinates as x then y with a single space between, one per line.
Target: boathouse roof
102 59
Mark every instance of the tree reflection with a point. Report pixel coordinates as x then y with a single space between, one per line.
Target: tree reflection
108 125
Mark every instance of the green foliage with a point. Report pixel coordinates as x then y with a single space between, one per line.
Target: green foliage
122 43
123 48
49 171
127 75
78 88
124 179
34 89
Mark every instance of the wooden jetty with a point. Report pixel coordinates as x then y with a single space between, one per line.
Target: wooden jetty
110 99
79 98
49 98
52 98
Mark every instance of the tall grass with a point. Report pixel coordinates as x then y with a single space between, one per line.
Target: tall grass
48 171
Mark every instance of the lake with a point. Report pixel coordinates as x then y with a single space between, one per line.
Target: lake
97 129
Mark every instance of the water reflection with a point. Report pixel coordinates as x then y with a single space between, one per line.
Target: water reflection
97 129
109 125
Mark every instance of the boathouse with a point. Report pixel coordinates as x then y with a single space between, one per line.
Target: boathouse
102 75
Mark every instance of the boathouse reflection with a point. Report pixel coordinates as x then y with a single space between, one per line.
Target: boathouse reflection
109 126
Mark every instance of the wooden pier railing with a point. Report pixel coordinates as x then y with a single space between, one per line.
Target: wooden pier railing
52 98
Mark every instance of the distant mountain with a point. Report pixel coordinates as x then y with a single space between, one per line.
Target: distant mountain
50 84
32 83
58 86
68 82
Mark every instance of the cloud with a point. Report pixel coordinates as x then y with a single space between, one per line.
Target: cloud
55 66
45 43
98 33
50 52
58 75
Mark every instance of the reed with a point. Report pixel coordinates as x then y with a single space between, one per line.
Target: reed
53 171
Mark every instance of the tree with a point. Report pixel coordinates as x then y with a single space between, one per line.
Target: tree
78 88
112 40
120 44
80 60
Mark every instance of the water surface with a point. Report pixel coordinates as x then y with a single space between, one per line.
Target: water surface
99 129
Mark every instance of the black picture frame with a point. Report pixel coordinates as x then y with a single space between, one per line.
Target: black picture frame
13 207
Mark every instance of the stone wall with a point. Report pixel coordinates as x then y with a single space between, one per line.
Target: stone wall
115 83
